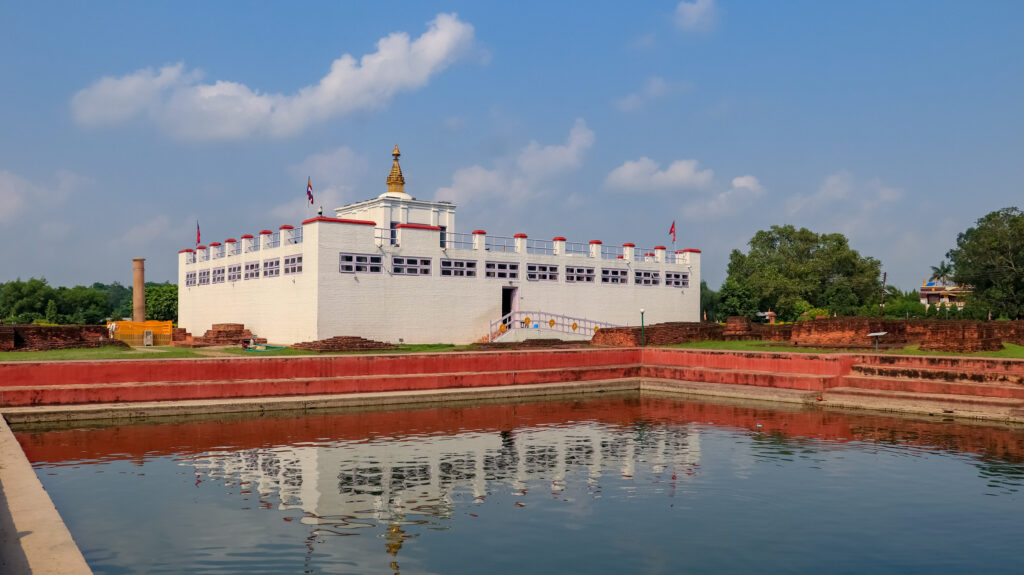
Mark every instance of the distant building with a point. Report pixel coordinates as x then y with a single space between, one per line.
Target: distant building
936 292
395 269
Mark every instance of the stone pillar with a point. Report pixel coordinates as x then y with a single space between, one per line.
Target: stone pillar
595 249
659 254
559 246
627 251
138 289
479 240
520 240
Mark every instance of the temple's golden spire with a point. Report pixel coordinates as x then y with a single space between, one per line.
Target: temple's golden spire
396 181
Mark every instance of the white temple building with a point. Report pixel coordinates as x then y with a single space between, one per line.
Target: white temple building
395 269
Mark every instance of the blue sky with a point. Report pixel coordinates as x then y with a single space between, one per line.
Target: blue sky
895 123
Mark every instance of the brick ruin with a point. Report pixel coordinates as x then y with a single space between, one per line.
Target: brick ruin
343 343
218 334
830 333
47 337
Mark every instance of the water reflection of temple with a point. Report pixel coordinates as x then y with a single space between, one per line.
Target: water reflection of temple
348 482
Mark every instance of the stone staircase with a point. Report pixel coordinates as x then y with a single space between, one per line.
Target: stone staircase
935 385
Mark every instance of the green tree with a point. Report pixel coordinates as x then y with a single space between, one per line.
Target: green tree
162 302
82 305
790 270
709 301
736 298
25 301
990 257
51 311
942 272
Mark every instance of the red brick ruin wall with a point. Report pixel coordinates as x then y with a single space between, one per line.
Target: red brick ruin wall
838 333
43 337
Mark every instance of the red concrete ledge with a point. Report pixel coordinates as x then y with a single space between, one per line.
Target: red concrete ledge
418 227
339 221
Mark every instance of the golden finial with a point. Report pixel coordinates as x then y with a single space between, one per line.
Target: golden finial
396 181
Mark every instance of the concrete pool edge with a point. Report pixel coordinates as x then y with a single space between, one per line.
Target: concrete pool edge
33 537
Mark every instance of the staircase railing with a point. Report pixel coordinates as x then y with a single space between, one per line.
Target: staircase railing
545 321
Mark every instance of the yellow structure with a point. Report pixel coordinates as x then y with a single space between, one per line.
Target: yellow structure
396 181
134 332
937 292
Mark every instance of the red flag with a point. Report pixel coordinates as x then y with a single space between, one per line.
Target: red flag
309 190
672 231
198 240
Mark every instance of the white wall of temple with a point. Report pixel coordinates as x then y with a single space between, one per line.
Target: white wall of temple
322 302
434 308
280 308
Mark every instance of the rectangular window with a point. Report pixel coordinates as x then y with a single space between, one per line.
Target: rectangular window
190 279
271 268
646 278
614 276
218 276
403 266
292 265
502 270
577 274
360 263
458 268
204 277
541 272
234 273
677 279
252 270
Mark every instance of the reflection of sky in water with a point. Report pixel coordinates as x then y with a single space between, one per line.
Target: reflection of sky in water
646 495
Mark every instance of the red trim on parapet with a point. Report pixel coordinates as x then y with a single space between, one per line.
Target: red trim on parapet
558 239
660 247
595 242
286 227
479 233
418 227
688 250
520 236
189 251
247 237
619 257
214 244
266 233
340 221
649 254
200 247
628 245
231 241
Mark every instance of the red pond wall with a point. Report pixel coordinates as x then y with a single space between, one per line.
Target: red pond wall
71 382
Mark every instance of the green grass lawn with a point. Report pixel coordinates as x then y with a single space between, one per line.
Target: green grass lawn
1011 351
98 353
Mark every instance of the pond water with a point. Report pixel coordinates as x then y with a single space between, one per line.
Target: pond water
613 484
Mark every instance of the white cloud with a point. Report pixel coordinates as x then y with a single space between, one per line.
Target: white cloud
644 175
654 88
730 201
13 191
533 166
840 191
18 194
695 16
536 161
174 99
335 174
143 233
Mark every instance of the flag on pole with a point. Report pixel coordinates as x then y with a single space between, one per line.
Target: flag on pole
672 231
309 190
198 236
